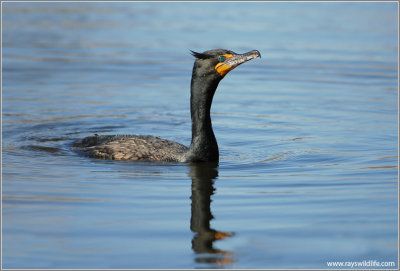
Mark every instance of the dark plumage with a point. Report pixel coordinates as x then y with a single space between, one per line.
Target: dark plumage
208 70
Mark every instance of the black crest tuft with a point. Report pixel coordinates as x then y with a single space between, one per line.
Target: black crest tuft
200 55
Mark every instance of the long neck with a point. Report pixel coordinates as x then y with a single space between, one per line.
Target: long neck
204 146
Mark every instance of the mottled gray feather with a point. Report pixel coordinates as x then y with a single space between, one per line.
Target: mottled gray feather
131 147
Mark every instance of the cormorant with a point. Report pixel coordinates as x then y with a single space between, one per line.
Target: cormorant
208 70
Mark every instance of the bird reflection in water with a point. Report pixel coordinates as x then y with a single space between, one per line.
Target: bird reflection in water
203 176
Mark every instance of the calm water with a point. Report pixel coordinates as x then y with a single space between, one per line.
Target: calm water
307 135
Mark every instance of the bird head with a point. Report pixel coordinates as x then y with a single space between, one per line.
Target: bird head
219 62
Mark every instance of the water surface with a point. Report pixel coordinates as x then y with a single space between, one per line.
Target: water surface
307 136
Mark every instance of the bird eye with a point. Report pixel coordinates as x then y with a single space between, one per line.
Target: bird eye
221 59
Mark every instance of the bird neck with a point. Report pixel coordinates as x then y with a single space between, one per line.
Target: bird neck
204 146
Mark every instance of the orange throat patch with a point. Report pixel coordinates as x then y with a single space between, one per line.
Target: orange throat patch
223 68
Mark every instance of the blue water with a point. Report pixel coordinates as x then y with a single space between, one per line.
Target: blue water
308 135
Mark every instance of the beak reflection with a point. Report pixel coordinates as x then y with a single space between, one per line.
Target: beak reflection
203 176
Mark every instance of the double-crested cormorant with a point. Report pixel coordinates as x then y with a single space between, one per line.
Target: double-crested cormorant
208 70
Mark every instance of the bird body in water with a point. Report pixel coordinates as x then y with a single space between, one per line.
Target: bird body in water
209 69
